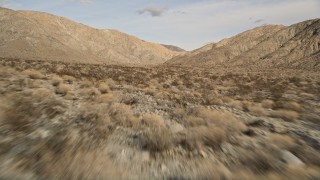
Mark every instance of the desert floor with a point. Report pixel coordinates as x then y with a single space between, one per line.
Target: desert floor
80 121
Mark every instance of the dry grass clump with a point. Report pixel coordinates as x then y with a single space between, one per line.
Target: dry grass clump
294 106
33 83
108 98
63 89
152 91
157 140
226 99
307 95
193 121
210 128
225 120
71 95
257 109
68 79
285 114
178 113
214 100
90 93
200 136
235 104
33 74
94 119
123 115
85 84
111 83
103 87
282 141
260 162
24 111
152 120
267 103
56 80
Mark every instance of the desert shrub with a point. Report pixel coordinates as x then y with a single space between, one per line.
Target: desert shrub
235 104
150 91
123 115
94 119
56 80
71 95
285 114
226 120
178 113
85 84
33 83
129 99
108 98
103 87
211 99
260 162
152 120
23 112
282 141
267 103
194 121
293 106
68 79
33 74
111 83
89 93
6 72
200 136
307 95
226 99
157 140
63 89
257 110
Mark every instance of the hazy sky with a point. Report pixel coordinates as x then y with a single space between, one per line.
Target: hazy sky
185 23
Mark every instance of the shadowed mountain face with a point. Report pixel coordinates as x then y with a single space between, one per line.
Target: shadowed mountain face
295 46
174 48
41 36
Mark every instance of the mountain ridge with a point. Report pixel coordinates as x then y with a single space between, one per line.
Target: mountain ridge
265 46
43 36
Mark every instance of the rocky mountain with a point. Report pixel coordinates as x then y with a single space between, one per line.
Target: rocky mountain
267 46
41 36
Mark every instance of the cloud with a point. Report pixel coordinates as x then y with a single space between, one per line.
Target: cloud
153 11
259 20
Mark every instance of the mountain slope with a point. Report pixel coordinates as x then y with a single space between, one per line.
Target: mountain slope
41 36
173 48
265 46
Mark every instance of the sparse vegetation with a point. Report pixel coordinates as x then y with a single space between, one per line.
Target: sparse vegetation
123 118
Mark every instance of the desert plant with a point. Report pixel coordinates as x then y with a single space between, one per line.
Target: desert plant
156 140
34 74
267 103
56 80
152 120
285 114
103 87
282 141
63 89
200 136
68 79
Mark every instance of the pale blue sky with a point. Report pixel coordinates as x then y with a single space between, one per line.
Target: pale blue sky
189 24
